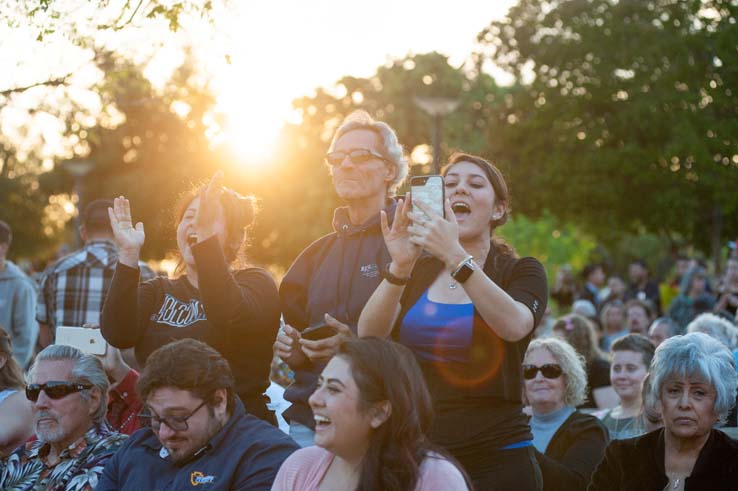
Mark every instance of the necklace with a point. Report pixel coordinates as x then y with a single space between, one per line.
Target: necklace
453 284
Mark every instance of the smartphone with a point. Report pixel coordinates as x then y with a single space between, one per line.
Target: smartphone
429 190
87 340
316 333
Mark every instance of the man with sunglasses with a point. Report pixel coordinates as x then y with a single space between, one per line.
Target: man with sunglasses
68 392
198 432
332 279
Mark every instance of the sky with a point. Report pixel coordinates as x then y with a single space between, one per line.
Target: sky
280 50
259 56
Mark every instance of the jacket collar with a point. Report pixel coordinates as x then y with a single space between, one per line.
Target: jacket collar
342 224
239 411
710 460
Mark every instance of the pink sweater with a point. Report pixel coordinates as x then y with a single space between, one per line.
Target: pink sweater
304 469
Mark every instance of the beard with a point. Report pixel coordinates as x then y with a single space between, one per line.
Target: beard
186 447
49 433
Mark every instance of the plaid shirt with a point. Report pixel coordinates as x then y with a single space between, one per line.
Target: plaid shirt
74 288
79 468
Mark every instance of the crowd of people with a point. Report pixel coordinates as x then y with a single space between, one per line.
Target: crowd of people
438 364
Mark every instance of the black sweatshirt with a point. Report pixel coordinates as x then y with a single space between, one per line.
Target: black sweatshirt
235 313
573 453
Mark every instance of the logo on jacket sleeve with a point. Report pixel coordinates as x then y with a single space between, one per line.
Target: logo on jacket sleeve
197 478
370 270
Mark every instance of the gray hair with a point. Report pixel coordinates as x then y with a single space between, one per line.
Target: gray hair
696 355
571 363
715 326
87 369
671 326
392 150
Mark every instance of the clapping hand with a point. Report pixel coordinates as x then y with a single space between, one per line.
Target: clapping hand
128 238
210 217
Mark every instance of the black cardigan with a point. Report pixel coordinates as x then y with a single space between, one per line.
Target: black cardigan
638 464
573 453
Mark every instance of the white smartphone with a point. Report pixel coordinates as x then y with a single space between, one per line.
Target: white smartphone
429 190
87 340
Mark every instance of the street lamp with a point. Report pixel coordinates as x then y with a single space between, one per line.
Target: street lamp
437 108
78 168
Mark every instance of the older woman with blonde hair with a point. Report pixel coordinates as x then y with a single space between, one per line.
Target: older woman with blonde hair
694 379
568 443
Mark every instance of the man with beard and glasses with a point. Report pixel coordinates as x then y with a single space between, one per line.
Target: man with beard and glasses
68 392
198 432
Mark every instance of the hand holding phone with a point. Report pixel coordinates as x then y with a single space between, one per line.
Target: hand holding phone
429 190
316 333
87 340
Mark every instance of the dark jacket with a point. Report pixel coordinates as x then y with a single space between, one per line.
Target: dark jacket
638 464
237 313
573 453
244 455
336 274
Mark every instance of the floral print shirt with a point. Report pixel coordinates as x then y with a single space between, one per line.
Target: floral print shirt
78 469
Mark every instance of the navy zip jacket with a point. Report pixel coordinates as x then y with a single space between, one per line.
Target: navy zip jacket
244 455
336 274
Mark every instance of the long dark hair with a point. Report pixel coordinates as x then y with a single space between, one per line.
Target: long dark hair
387 371
11 376
502 196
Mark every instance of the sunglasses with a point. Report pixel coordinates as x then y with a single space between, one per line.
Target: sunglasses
176 423
549 370
357 156
54 390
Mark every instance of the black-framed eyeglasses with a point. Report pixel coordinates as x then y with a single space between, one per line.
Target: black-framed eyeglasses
549 370
176 423
357 156
54 390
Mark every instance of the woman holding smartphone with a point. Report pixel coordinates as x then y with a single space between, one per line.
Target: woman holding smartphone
235 310
467 310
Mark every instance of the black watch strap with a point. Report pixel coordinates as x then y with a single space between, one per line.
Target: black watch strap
464 271
395 280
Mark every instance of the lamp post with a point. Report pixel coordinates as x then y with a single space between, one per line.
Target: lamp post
437 108
78 168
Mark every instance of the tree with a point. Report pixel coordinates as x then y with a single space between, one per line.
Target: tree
305 192
625 114
46 112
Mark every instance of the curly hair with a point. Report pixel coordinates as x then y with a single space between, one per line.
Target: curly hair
571 363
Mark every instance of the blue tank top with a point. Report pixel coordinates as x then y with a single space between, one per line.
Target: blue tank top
438 332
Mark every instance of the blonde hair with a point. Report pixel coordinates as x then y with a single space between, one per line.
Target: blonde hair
572 366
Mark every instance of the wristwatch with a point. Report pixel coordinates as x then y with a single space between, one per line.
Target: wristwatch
464 270
395 280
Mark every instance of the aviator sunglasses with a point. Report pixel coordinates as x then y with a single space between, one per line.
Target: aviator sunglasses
54 390
549 370
357 156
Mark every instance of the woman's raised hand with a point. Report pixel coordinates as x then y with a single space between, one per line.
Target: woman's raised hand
210 217
128 238
397 239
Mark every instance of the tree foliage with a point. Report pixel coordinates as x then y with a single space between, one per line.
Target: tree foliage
625 115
